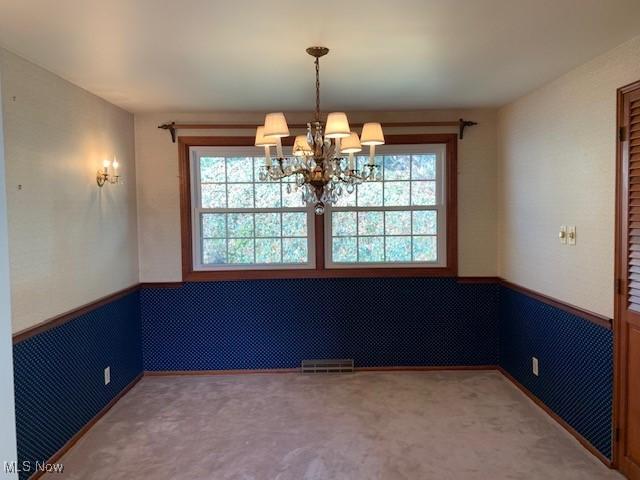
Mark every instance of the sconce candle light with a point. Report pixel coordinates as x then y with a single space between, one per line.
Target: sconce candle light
104 176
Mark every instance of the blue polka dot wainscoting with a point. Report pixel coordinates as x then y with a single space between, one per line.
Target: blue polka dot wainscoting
58 375
263 324
575 355
277 323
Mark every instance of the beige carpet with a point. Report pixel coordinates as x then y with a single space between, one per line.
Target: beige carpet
396 425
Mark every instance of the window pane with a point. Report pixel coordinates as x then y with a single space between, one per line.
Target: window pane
267 225
396 194
240 169
294 224
240 195
294 250
213 195
423 193
343 223
268 195
371 249
268 250
373 234
398 249
212 169
423 167
425 222
291 198
240 225
396 167
397 223
346 199
214 225
344 249
390 213
425 249
240 235
370 194
241 250
214 251
370 223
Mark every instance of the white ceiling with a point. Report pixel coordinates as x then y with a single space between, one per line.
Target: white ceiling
248 55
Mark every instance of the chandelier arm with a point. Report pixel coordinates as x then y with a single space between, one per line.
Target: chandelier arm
299 171
345 178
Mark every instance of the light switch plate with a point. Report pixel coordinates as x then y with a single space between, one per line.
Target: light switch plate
534 366
571 234
562 235
107 375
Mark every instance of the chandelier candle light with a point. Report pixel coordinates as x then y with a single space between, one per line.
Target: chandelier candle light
317 159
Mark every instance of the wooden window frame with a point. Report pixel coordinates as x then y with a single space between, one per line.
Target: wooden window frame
448 270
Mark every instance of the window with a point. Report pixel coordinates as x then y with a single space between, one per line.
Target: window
399 220
235 226
242 222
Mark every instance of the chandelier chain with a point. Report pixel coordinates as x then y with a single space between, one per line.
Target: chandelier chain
317 162
317 62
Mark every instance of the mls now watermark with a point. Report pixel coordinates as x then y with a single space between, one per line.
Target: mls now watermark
28 466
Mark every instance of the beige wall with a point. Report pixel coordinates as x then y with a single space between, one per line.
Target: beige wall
7 405
544 160
158 189
557 166
69 241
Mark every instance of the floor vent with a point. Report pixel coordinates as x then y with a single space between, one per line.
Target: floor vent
332 365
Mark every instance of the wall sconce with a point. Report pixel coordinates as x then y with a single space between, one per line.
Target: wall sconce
104 176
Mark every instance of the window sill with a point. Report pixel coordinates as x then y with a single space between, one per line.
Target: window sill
214 276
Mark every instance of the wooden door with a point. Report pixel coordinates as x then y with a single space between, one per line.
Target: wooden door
627 330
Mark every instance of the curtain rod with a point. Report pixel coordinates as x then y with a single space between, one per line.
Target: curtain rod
173 126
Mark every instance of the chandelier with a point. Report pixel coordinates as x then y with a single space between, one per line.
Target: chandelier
317 160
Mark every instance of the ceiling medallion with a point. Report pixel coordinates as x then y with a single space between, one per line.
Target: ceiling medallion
317 160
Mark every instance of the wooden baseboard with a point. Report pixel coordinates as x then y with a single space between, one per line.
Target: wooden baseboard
186 373
426 368
73 440
583 441
177 373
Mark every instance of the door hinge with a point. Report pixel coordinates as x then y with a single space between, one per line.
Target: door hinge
619 286
622 134
616 434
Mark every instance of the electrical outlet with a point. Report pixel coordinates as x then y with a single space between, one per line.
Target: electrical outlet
562 235
534 365
571 234
107 375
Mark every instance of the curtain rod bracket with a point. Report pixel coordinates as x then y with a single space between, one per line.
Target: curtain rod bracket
464 124
172 129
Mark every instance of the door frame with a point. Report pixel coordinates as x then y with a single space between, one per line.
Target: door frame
619 353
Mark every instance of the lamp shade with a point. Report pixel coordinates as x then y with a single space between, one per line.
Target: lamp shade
351 144
301 147
261 140
275 125
337 126
372 134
